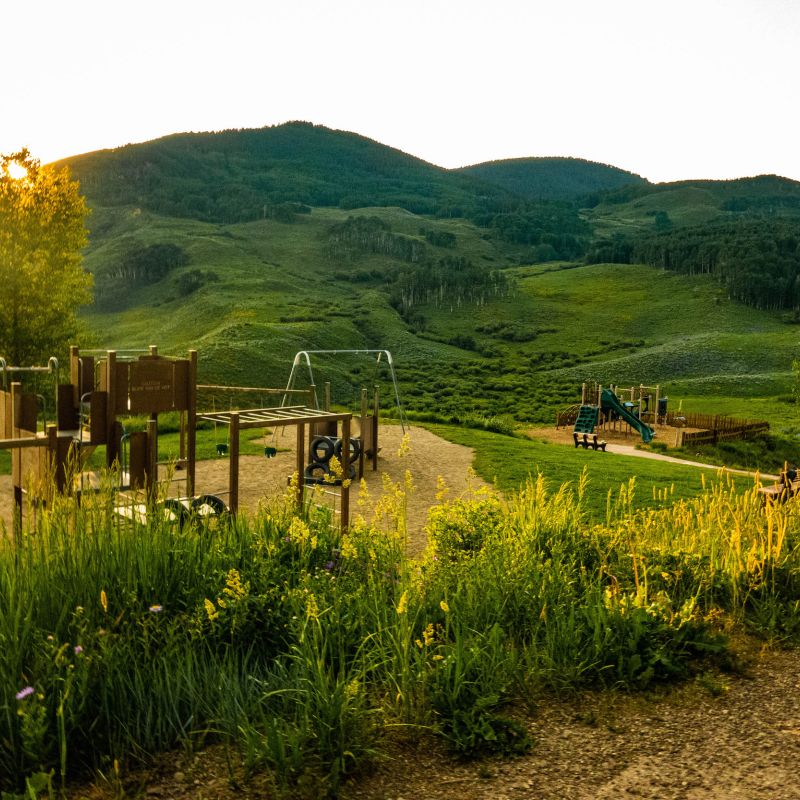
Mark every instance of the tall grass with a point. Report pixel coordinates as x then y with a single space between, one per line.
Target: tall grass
302 648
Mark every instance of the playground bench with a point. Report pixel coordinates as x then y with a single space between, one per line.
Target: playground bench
594 444
787 487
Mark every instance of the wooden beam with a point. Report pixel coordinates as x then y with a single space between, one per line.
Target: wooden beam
191 427
151 474
300 465
26 441
233 465
345 500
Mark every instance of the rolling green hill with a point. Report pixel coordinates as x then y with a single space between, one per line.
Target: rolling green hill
553 178
519 349
241 175
634 209
252 245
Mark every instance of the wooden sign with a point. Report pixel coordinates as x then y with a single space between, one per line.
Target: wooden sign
151 386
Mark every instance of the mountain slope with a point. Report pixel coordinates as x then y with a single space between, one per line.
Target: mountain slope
552 178
238 175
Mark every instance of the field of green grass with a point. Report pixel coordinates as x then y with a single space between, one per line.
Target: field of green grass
302 651
508 462
279 290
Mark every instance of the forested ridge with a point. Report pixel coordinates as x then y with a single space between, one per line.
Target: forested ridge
553 178
745 232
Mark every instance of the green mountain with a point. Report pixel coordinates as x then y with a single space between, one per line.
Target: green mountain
488 301
553 178
241 175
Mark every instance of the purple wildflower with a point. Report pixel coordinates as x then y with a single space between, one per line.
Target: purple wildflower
23 693
329 566
78 649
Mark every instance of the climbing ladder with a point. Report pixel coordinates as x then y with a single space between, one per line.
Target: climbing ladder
587 419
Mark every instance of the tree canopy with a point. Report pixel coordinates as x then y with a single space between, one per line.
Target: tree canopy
42 282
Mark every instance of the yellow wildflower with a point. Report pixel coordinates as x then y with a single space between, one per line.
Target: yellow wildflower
443 605
405 446
298 531
211 611
428 634
312 609
104 600
348 547
402 606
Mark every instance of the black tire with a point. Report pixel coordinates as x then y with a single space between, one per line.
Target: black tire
355 449
214 506
315 473
322 449
175 512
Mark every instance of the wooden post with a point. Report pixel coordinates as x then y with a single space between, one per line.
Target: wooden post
74 374
327 406
191 426
111 413
153 350
655 410
583 394
362 424
233 464
599 402
376 411
345 500
58 457
16 462
300 465
151 473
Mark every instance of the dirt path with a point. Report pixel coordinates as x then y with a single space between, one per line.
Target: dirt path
428 456
623 446
687 744
742 745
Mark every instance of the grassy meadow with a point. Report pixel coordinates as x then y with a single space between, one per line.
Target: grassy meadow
278 288
302 651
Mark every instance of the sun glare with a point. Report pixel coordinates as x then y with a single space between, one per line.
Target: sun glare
16 170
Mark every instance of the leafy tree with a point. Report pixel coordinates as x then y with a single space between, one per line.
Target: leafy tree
42 232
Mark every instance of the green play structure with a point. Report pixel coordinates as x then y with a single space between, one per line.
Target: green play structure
588 416
609 402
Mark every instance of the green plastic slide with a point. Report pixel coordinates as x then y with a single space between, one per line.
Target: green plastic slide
609 402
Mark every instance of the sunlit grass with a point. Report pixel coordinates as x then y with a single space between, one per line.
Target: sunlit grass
301 646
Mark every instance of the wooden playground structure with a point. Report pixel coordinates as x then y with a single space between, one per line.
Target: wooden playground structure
106 388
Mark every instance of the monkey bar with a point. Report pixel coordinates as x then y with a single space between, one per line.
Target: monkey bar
299 416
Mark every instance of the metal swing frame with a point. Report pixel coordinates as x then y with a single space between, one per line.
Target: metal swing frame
305 355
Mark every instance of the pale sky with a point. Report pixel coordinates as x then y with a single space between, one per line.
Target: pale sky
670 89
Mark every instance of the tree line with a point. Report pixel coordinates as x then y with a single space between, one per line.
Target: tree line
757 260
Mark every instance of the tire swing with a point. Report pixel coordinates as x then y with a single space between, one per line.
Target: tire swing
209 505
316 472
322 449
174 512
355 449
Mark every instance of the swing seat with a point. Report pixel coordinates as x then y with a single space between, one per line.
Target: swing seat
270 452
222 449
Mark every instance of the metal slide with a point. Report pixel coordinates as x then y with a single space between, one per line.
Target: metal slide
609 401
